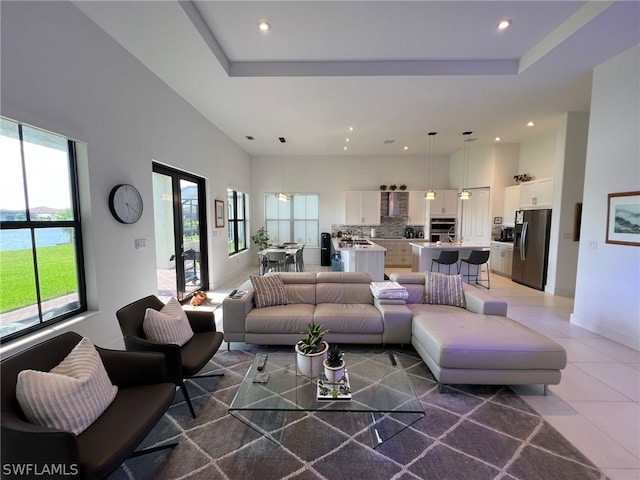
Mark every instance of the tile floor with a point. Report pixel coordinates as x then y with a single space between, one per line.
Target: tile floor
597 404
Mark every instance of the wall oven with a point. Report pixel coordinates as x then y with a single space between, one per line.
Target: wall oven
441 229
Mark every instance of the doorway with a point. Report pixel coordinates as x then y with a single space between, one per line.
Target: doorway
180 232
476 217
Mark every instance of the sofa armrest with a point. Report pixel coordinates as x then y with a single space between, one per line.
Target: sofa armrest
129 369
171 352
396 320
478 301
234 312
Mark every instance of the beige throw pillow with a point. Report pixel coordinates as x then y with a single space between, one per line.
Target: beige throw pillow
442 289
72 395
169 325
269 291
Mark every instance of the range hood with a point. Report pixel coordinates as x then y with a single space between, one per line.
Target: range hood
394 205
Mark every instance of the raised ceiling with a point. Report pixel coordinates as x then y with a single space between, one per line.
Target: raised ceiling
392 70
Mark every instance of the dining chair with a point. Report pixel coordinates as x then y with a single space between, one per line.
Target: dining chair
275 261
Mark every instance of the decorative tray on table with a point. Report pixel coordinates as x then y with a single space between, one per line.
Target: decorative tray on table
334 391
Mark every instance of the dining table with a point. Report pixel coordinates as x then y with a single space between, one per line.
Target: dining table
289 253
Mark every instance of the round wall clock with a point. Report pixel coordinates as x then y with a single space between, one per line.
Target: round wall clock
125 203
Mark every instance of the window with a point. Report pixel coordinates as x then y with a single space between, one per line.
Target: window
236 217
295 220
41 264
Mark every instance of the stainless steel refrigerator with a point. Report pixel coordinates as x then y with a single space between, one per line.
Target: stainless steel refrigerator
531 247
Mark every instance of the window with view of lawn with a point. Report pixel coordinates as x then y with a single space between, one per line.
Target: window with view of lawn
41 263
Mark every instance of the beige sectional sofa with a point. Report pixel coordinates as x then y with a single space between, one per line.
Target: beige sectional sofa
477 344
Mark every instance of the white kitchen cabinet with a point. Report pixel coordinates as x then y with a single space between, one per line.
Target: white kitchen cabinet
501 258
536 194
511 204
444 205
417 209
362 208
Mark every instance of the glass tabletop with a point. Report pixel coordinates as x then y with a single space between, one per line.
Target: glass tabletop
379 388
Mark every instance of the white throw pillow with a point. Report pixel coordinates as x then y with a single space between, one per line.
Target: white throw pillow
72 395
169 325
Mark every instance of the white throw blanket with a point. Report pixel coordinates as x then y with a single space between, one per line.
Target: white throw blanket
389 290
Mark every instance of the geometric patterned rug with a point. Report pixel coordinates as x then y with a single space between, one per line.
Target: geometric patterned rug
468 432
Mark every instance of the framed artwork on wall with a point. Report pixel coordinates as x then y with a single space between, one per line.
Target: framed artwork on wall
623 218
219 213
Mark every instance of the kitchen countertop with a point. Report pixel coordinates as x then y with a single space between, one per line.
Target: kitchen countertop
448 246
371 247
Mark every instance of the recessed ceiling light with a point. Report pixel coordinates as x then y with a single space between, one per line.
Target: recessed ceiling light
351 129
347 139
504 24
498 139
406 148
345 147
264 26
530 124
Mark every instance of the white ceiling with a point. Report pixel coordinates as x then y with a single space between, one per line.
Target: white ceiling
392 70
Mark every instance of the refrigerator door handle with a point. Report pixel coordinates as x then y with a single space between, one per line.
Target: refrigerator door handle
523 240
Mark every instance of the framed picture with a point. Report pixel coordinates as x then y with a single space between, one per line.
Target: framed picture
219 213
497 220
623 218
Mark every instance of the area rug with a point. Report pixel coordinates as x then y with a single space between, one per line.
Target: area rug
468 432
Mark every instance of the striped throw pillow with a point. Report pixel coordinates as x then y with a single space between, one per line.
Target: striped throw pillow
441 289
269 291
72 395
169 325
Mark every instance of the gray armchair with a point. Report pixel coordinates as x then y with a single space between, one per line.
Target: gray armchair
144 395
181 362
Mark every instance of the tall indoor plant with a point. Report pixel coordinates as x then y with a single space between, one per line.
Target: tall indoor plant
261 238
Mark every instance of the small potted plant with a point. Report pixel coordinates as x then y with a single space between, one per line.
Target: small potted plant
393 187
403 187
334 365
383 187
312 350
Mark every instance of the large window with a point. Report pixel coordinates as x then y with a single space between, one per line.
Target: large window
236 216
295 220
41 266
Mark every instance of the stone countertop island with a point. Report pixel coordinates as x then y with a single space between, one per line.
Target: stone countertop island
361 256
423 252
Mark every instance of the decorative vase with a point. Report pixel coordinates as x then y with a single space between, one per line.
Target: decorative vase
311 365
334 374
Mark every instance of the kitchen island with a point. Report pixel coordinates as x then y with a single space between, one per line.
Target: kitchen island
423 252
361 256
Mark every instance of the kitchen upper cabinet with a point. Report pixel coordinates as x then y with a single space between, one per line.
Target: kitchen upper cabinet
511 204
536 194
362 208
417 209
444 205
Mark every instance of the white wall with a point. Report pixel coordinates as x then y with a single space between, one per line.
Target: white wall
538 155
62 73
607 298
332 176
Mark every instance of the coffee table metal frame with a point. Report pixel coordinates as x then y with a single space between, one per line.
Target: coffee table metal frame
381 393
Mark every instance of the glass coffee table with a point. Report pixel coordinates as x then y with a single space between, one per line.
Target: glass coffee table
381 395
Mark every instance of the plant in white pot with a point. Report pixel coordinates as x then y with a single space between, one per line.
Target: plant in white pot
312 350
334 365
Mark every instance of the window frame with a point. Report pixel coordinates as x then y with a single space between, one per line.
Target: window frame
233 223
33 225
292 219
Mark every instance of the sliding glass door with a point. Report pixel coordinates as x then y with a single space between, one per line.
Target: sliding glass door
181 232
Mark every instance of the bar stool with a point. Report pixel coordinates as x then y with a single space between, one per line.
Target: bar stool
447 257
477 258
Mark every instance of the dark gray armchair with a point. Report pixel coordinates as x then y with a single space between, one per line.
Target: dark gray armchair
181 362
144 395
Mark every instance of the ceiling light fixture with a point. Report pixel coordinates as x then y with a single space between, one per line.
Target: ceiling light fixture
431 194
406 148
465 194
498 139
264 26
281 195
530 124
504 24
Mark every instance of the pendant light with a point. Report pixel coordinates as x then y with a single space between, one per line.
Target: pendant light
465 194
431 195
281 195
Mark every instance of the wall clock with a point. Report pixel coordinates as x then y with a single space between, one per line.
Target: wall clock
125 203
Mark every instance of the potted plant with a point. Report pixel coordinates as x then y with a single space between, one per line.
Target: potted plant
261 238
393 187
403 187
312 350
383 187
334 365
